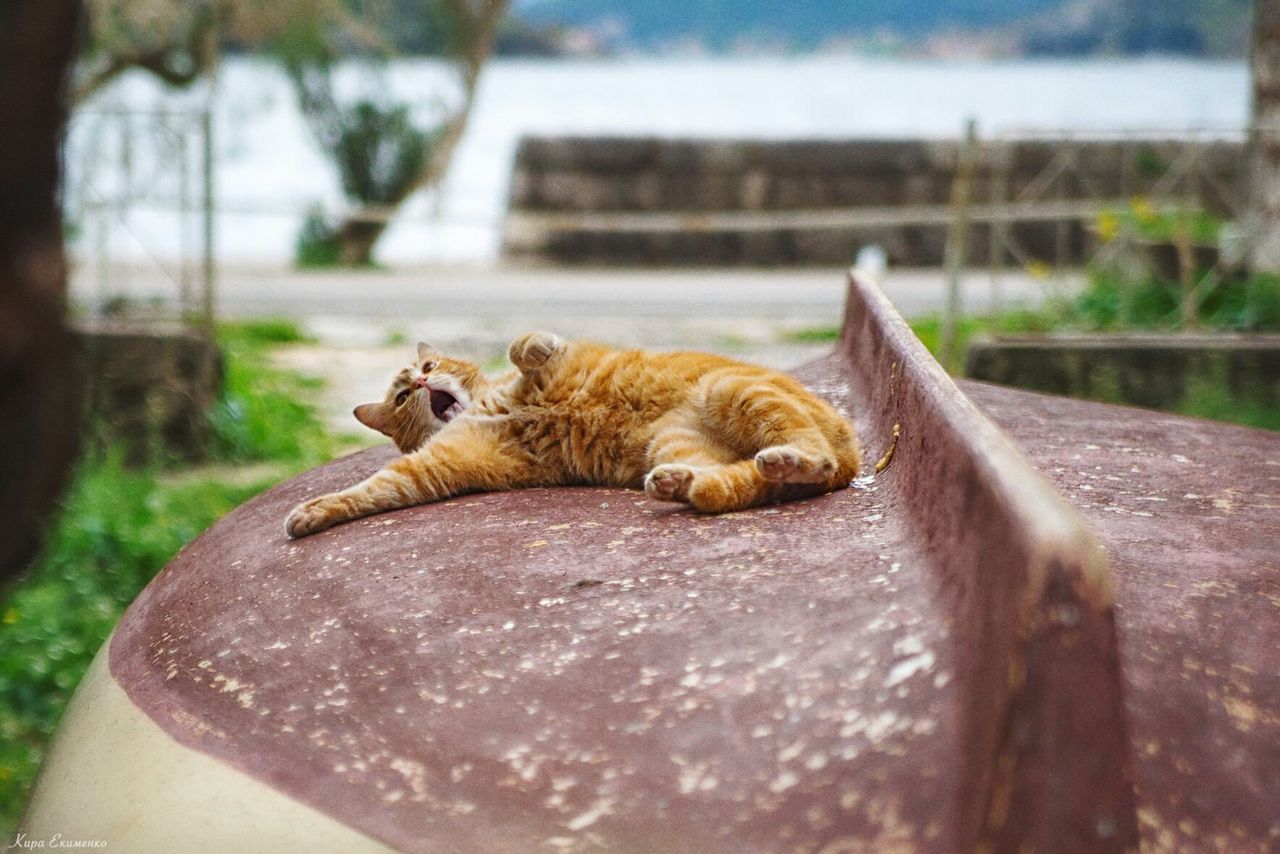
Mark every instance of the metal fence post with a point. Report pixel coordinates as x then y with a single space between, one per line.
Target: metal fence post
957 239
208 266
999 227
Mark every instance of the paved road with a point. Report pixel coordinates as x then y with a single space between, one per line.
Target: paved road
364 321
495 292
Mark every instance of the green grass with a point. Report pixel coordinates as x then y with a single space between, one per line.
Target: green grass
117 527
812 335
259 416
929 328
1243 306
1217 404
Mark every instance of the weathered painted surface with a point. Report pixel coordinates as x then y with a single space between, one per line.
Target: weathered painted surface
1189 513
115 780
923 662
579 666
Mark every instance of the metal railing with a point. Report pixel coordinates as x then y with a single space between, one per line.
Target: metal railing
120 162
1166 174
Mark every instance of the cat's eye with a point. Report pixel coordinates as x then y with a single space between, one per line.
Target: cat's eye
402 397
429 366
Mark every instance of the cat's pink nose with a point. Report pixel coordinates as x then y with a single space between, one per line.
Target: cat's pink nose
420 382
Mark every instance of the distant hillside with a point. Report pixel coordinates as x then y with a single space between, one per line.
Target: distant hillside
806 23
1187 27
1196 27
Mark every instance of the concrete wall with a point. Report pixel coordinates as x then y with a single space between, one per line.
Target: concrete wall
149 386
578 174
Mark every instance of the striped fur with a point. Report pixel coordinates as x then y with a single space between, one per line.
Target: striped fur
711 432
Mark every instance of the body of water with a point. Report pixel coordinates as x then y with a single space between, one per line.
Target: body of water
269 170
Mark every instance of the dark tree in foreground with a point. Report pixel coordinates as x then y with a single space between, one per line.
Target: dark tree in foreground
41 389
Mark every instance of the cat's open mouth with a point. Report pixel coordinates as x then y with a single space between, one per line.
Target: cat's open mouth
445 406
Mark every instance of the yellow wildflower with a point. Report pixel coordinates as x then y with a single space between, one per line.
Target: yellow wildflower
1142 209
1108 226
10 616
1038 269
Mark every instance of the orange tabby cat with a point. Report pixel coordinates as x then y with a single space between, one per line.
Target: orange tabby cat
708 431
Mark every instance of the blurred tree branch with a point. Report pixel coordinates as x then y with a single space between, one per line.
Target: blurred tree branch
180 42
381 157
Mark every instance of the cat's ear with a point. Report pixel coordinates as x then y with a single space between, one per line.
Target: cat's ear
372 415
427 353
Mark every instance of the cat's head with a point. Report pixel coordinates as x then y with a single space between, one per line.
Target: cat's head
422 398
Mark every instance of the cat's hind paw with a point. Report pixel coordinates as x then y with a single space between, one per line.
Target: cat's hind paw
533 350
788 464
669 482
310 517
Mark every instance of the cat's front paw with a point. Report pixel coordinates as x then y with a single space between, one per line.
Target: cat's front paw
669 482
787 464
312 516
533 350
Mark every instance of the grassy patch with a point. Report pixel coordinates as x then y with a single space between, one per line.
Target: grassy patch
118 526
259 416
929 328
256 334
1215 402
812 335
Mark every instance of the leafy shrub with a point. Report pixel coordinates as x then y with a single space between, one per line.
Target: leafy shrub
318 244
1111 301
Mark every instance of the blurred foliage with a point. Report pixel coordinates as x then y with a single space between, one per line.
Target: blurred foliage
181 42
118 526
1112 302
812 335
317 245
1214 400
381 152
1108 304
929 328
379 155
1141 220
1164 270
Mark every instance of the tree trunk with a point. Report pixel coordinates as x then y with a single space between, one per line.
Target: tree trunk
1264 137
356 238
41 389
